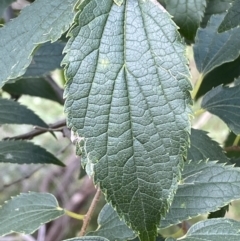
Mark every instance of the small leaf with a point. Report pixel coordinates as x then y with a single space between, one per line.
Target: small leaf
111 227
20 37
33 87
22 152
203 148
232 19
4 4
219 229
215 7
11 112
225 103
47 58
187 14
27 212
92 238
213 49
131 105
205 188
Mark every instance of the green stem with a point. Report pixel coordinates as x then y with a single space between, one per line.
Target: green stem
197 86
235 143
74 215
199 112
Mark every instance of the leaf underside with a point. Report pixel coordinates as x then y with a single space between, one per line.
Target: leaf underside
187 15
111 227
27 212
11 112
213 49
218 229
224 102
203 148
33 87
23 152
206 187
232 19
20 37
128 96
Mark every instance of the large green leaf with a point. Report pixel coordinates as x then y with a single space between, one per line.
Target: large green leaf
27 212
11 112
20 37
218 229
203 148
205 187
47 58
215 7
225 103
187 14
33 87
232 19
213 49
22 152
111 227
128 96
4 4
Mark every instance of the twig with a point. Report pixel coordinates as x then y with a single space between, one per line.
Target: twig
56 88
29 135
232 148
20 179
90 212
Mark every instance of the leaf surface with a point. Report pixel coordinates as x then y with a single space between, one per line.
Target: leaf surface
203 148
213 49
218 229
47 58
4 4
111 227
20 37
187 14
131 105
33 87
225 103
23 152
205 187
232 19
11 112
215 7
27 212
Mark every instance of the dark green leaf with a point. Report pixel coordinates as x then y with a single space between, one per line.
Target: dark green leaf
219 229
224 74
22 152
206 187
111 227
20 37
11 112
47 58
215 7
232 19
225 103
27 212
187 14
4 4
213 49
131 105
33 87
203 148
